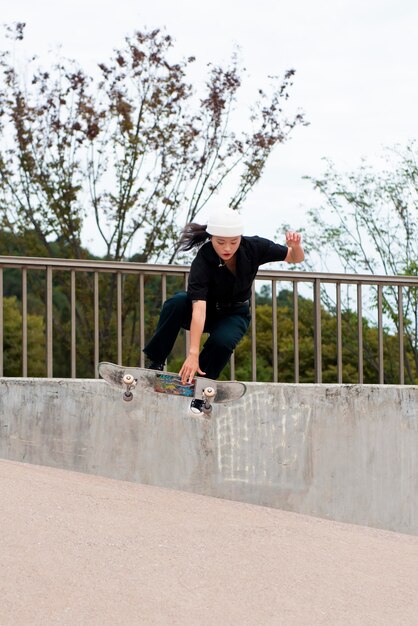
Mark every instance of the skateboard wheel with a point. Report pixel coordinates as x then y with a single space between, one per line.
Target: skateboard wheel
127 396
128 379
209 392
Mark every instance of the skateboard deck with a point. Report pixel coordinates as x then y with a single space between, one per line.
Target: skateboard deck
169 383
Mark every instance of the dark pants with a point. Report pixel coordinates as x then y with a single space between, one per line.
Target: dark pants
225 328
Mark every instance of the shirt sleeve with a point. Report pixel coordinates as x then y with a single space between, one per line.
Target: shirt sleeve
268 251
198 284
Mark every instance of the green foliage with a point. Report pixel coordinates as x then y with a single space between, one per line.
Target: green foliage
286 348
12 344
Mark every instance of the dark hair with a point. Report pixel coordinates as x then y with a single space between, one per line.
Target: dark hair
193 235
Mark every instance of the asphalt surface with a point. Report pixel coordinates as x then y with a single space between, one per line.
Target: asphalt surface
80 550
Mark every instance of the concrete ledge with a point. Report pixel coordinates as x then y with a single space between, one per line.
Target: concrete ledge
342 452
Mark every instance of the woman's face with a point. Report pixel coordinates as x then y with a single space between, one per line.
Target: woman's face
225 247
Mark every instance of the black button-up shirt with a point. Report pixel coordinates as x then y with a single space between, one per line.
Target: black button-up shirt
211 280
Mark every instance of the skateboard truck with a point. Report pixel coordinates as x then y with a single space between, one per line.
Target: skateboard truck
208 393
130 383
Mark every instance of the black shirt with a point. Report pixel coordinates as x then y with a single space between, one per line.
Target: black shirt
211 280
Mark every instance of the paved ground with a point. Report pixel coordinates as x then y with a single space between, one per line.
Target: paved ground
78 549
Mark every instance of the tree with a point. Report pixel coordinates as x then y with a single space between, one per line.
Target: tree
368 221
136 147
40 178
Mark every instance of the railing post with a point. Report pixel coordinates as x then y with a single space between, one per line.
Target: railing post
400 336
1 324
119 315
232 365
380 333
317 331
141 320
253 336
296 330
274 320
163 288
339 335
360 333
49 322
187 332
96 325
24 322
73 327
163 298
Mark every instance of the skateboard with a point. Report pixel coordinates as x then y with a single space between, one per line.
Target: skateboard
130 378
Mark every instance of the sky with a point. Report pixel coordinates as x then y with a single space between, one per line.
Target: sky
356 73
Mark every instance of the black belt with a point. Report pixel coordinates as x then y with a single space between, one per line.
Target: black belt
220 306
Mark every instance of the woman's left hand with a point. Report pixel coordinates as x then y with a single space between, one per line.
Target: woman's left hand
295 253
293 239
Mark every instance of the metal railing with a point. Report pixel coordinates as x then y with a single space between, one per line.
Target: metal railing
51 267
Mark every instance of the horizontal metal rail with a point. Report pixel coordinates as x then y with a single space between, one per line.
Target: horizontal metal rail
119 270
88 265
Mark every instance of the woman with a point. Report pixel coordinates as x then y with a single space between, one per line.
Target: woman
217 300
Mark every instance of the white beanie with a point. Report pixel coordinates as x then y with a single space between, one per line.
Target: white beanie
225 223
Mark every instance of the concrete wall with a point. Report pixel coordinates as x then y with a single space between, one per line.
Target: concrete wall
343 452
